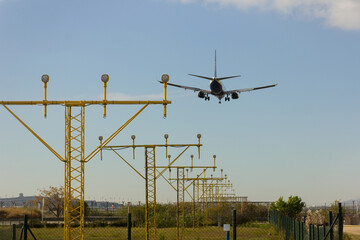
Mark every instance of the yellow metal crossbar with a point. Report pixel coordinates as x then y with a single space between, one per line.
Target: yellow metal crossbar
75 158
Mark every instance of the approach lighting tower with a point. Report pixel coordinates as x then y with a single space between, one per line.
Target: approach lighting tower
152 173
180 188
75 158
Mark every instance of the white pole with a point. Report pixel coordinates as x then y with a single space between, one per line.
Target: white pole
42 210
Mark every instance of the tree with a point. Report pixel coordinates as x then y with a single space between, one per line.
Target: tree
53 200
291 208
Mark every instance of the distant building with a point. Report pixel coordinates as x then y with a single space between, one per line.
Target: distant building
24 201
103 205
20 201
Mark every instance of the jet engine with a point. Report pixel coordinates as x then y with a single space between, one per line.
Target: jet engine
234 95
201 94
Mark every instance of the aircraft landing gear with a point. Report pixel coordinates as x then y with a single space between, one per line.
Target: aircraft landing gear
227 99
207 98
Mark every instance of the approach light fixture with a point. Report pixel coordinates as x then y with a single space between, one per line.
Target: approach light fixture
199 136
166 136
101 138
133 137
165 78
105 78
45 78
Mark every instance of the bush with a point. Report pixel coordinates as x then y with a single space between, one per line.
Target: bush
36 224
119 223
52 225
97 223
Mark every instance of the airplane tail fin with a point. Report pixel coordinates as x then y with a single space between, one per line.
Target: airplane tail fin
215 74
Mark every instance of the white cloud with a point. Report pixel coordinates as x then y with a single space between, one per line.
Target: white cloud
343 14
124 96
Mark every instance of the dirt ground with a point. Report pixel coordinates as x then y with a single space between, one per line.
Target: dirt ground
353 231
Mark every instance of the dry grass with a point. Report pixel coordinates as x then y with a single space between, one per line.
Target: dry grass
19 213
353 231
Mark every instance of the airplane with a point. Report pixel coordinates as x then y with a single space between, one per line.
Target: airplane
217 88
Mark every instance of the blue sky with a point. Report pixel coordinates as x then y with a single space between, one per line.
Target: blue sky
300 138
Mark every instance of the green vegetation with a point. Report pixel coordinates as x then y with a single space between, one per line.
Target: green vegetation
53 198
291 208
109 233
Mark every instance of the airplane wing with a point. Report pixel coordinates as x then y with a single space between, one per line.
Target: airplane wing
248 89
189 88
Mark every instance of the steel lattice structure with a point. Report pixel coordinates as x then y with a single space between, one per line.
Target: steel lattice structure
150 193
75 159
152 174
74 172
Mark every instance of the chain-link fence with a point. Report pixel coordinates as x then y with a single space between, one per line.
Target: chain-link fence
204 221
299 229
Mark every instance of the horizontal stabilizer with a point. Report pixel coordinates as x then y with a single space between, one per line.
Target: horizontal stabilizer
223 78
208 78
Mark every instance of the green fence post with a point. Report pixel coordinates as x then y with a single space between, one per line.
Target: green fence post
129 226
313 232
294 228
234 224
14 232
340 223
25 226
331 235
318 232
302 231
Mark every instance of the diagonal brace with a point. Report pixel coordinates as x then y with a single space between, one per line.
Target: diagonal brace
37 136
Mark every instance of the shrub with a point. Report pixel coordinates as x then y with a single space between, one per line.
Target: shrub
36 224
52 225
119 223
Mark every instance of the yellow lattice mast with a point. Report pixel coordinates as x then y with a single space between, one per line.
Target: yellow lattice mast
181 188
152 173
75 157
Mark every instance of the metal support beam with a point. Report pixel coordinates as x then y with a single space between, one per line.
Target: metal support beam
150 192
74 173
180 203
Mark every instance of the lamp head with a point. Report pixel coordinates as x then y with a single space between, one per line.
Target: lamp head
214 156
166 136
165 78
100 138
169 156
192 156
105 78
199 136
45 78
133 137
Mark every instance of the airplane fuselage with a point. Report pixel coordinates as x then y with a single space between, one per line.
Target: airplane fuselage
216 88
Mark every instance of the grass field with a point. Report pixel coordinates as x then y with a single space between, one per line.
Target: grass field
353 231
120 233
